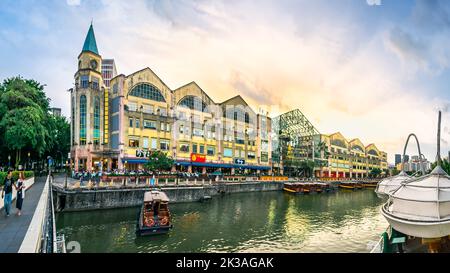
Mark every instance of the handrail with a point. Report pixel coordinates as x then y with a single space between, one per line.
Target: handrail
52 208
32 241
41 233
378 248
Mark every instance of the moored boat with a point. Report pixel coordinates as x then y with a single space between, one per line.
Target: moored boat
296 188
306 187
370 184
154 217
350 185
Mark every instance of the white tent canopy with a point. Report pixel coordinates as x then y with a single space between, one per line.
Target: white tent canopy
390 184
427 197
421 207
155 196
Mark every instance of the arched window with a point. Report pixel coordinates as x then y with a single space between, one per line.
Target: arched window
247 118
83 120
358 148
339 143
147 91
96 120
373 152
193 102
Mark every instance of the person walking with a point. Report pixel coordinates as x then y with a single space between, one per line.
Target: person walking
81 178
7 192
20 193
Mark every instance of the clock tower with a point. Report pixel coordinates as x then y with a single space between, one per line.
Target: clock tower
87 100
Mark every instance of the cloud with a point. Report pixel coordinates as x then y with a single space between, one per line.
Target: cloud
373 2
422 42
73 2
408 48
315 56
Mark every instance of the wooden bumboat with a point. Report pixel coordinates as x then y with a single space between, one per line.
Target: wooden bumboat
154 216
348 185
296 188
306 187
372 184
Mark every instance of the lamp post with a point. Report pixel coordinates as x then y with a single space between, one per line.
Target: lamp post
28 160
9 161
65 180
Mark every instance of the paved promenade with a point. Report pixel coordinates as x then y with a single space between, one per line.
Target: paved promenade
14 228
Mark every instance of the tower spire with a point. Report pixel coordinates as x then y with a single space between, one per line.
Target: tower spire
90 44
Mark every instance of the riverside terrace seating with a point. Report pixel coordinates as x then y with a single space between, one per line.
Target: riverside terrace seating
123 181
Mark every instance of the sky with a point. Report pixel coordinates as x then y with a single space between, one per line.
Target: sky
376 70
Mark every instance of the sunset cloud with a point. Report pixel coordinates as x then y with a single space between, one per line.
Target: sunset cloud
366 71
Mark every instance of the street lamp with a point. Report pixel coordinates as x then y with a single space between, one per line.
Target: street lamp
28 160
9 161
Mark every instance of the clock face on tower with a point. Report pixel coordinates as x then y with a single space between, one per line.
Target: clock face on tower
94 64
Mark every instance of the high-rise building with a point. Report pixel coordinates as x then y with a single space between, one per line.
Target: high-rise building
398 159
115 127
406 158
415 164
109 71
56 111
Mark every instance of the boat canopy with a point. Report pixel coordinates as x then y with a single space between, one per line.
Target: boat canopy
392 183
423 199
421 206
155 196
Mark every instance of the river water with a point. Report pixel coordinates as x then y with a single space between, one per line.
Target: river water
344 221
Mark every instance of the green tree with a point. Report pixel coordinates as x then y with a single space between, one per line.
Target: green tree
159 161
307 167
375 172
444 164
59 146
322 148
26 126
23 128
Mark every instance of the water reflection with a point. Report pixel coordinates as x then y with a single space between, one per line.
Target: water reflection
247 222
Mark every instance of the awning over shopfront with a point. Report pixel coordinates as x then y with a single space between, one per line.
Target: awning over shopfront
199 164
221 165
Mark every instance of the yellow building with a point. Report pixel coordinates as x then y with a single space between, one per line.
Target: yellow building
138 113
350 158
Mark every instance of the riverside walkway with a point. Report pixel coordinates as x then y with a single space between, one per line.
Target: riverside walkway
13 229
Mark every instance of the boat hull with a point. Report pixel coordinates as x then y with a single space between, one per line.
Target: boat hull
347 187
428 229
144 231
292 191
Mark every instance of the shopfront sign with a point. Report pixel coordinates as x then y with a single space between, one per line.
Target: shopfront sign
239 161
142 153
198 158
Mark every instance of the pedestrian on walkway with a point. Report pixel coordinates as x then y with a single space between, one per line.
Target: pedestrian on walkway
81 179
20 187
7 192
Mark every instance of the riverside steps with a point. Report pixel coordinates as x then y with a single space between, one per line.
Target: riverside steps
124 192
121 192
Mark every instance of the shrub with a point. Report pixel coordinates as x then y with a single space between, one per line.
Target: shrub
2 178
15 175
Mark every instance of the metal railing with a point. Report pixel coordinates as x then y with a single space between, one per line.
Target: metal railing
48 242
378 247
49 228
